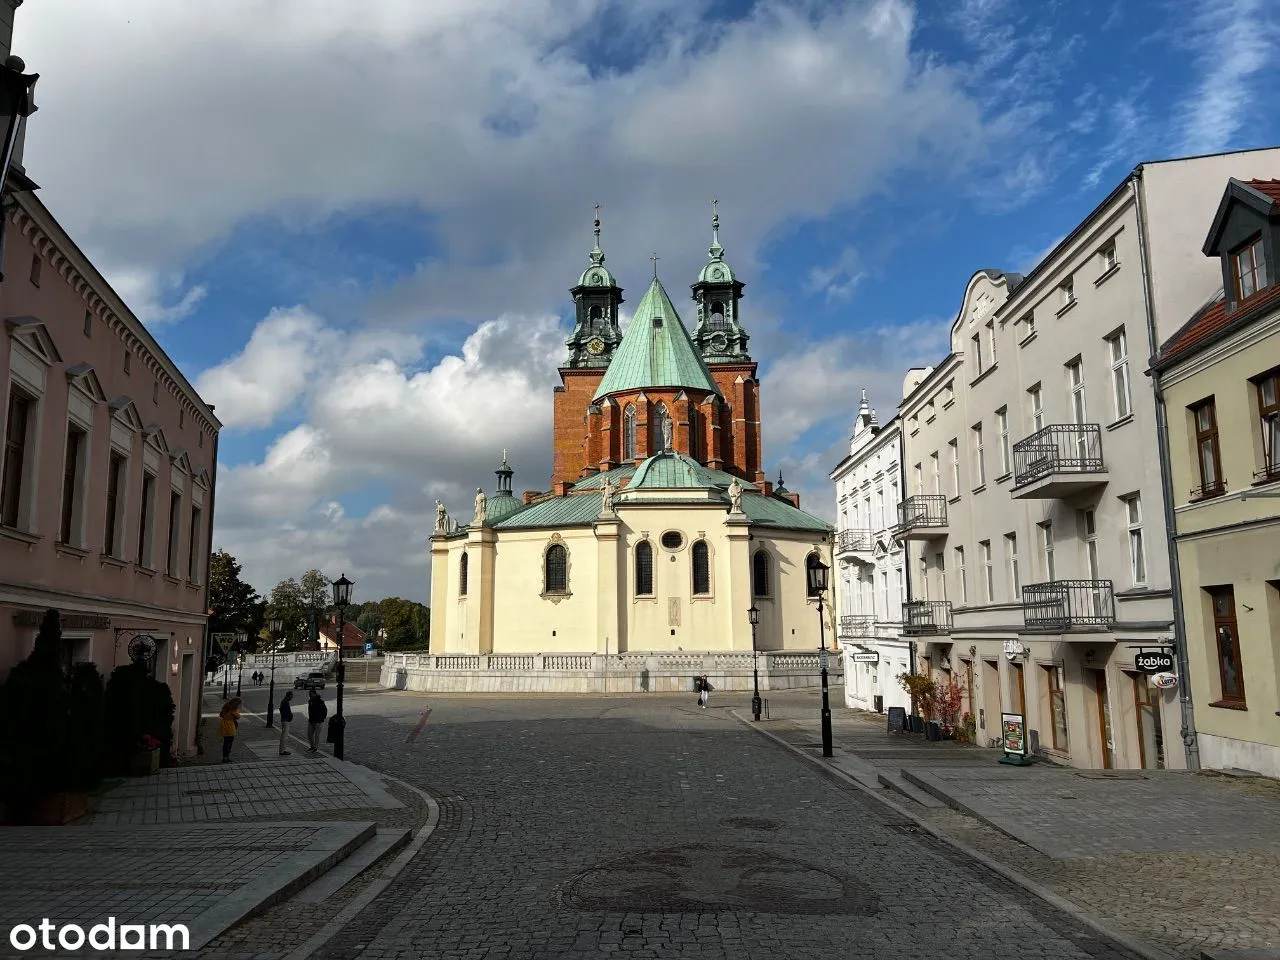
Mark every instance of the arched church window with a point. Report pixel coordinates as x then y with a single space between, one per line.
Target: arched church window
717 315
556 569
595 314
760 574
695 439
644 568
629 433
662 432
701 568
462 576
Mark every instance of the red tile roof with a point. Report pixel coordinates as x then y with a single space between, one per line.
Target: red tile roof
352 636
1269 187
1214 317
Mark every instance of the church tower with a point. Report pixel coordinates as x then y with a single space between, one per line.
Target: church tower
719 334
596 300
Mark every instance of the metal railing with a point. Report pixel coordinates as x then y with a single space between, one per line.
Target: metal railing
857 625
1058 448
925 617
922 510
1207 491
855 540
713 324
1267 473
1069 605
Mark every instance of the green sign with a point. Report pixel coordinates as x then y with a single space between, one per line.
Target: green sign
225 641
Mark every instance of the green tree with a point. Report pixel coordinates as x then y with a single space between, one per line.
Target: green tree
287 603
369 619
36 715
397 619
422 625
314 587
233 604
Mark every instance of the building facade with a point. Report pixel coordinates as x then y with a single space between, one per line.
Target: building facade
1038 564
108 472
1219 379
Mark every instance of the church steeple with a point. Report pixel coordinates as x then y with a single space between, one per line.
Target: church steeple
596 300
719 334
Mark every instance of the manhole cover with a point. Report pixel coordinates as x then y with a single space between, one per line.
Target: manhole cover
751 823
703 879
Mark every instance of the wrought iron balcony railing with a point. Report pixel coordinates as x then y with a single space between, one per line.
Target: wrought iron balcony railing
926 617
1206 491
857 625
1061 605
854 541
922 511
1267 473
1058 448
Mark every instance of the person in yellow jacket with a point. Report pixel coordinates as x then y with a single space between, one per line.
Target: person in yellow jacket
228 721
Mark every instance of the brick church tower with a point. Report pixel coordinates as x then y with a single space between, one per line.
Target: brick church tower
625 398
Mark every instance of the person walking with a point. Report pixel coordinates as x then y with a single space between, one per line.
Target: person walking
317 710
228 721
286 718
704 691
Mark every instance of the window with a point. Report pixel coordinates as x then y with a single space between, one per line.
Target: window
955 467
760 574
1089 526
1075 384
991 341
701 568
1119 347
556 569
1269 422
1108 256
594 315
644 568
200 440
977 353
695 438
146 521
979 460
1137 555
1046 549
919 472
1035 406
1205 418
36 265
988 575
672 540
1002 425
1028 326
16 437
182 418
115 481
127 357
940 564
88 323
72 486
961 580
175 511
1246 268
884 595
463 563
1057 706
1227 644
661 424
1067 292
934 476
810 562
155 392
629 433
1011 562
717 315
948 392
193 548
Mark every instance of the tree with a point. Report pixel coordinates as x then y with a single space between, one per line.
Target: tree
287 603
33 755
233 604
407 624
369 619
314 588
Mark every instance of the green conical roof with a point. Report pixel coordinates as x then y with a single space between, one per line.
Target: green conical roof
655 351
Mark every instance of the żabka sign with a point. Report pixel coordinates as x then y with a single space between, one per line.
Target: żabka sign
101 936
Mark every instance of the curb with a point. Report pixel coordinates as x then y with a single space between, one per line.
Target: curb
1137 947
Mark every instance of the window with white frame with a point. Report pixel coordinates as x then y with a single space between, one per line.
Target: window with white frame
976 340
954 446
1107 255
117 466
1137 548
1089 531
919 473
1046 549
629 433
20 458
1035 408
880 523
988 574
940 564
1011 564
147 522
1067 292
884 593
175 531
924 579
930 411
979 461
74 469
991 341
1118 345
934 474
1268 386
1002 427
1028 325
1075 385
961 581
948 392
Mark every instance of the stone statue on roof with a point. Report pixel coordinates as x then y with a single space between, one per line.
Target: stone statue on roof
666 435
478 519
442 518
735 496
607 492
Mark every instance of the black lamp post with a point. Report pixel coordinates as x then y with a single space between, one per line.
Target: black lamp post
817 572
17 102
276 625
242 641
753 614
338 725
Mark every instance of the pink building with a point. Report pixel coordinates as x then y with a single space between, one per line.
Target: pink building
107 472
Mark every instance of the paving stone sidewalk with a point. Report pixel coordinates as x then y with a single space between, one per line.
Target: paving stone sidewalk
1186 862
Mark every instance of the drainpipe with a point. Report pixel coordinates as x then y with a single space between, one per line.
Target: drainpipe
208 638
1189 741
906 549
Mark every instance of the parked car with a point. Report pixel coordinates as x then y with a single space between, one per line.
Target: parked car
308 681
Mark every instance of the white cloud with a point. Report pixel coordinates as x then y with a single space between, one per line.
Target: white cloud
154 297
838 279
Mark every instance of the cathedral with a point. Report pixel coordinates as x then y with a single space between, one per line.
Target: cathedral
660 532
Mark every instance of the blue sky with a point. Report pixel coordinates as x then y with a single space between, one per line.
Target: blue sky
355 229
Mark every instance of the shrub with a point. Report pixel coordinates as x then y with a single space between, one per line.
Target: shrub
920 688
947 699
136 706
84 710
33 752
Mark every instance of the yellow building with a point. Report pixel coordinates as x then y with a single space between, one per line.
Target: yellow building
1219 379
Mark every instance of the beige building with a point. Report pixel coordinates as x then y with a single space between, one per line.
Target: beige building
1037 563
1219 379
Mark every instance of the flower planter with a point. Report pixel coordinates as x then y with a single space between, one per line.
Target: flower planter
57 809
143 763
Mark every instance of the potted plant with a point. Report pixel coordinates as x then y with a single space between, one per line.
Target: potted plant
947 699
920 688
146 757
967 731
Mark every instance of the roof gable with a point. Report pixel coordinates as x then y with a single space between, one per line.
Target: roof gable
155 437
124 410
1260 196
83 377
179 459
35 336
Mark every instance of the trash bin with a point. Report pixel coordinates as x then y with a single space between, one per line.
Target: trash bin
878 701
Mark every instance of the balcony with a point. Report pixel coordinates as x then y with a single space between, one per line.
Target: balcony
857 625
854 544
1063 606
922 517
924 618
1058 462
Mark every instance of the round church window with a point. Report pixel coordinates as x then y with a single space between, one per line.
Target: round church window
672 540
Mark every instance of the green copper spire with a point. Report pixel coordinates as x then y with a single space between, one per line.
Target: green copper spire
596 275
719 334
655 351
596 300
715 270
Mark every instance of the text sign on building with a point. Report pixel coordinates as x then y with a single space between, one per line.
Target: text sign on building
1151 662
1014 649
1013 733
871 657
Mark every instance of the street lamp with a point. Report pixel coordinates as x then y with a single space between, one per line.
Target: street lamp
753 614
817 573
276 626
17 102
242 641
338 725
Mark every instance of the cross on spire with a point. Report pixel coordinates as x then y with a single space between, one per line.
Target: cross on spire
714 201
654 257
597 213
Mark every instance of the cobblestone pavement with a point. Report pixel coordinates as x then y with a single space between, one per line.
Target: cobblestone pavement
1185 862
645 827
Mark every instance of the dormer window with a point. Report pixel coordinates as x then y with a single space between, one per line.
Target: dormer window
1246 267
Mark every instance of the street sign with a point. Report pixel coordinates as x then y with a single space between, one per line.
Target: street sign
822 658
1152 662
225 641
871 657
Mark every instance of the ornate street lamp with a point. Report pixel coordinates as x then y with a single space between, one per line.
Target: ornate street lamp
338 725
753 614
276 626
17 102
242 643
817 572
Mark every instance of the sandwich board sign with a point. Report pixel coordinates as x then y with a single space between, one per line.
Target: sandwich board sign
1013 739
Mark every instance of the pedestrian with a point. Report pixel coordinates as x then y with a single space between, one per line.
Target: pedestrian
704 691
286 718
317 710
228 721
